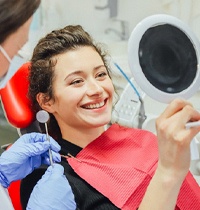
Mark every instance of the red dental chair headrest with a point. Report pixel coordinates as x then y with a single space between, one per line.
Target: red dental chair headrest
16 104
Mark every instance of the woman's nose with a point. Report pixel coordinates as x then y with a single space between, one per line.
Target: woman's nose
94 88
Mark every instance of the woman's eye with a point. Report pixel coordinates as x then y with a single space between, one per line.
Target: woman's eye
102 74
78 81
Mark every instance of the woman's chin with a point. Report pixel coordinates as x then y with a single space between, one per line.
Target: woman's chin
101 122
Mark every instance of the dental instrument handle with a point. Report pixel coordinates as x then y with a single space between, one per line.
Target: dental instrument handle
43 116
192 124
50 152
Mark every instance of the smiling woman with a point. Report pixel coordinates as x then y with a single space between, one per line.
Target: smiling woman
67 72
114 168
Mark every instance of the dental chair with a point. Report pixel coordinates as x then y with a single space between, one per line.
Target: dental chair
16 105
17 109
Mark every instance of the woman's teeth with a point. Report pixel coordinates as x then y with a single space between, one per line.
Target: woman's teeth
95 106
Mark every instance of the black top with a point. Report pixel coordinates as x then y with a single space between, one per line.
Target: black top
86 196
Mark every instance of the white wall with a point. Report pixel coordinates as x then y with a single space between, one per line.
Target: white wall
56 14
59 13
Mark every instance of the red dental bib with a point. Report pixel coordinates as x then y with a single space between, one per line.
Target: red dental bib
120 164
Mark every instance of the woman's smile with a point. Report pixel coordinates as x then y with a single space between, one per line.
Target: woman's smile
93 105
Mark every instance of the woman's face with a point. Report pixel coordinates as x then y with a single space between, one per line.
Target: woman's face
82 89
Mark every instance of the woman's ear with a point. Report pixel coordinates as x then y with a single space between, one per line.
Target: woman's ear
44 102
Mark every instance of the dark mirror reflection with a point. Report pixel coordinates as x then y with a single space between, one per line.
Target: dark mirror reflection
168 58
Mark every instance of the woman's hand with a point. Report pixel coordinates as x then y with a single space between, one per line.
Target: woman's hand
174 155
174 139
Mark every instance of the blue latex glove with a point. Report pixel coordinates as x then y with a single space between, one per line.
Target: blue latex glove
52 192
26 154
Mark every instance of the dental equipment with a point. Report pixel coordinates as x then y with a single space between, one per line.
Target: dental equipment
42 116
142 116
69 155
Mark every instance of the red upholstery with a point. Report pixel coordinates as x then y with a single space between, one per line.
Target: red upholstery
14 99
14 192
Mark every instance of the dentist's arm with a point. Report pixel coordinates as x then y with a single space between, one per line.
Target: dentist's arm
26 154
52 192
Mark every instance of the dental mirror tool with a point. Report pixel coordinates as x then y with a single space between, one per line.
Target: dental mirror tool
42 116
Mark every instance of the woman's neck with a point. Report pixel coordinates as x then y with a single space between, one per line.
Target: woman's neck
82 136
